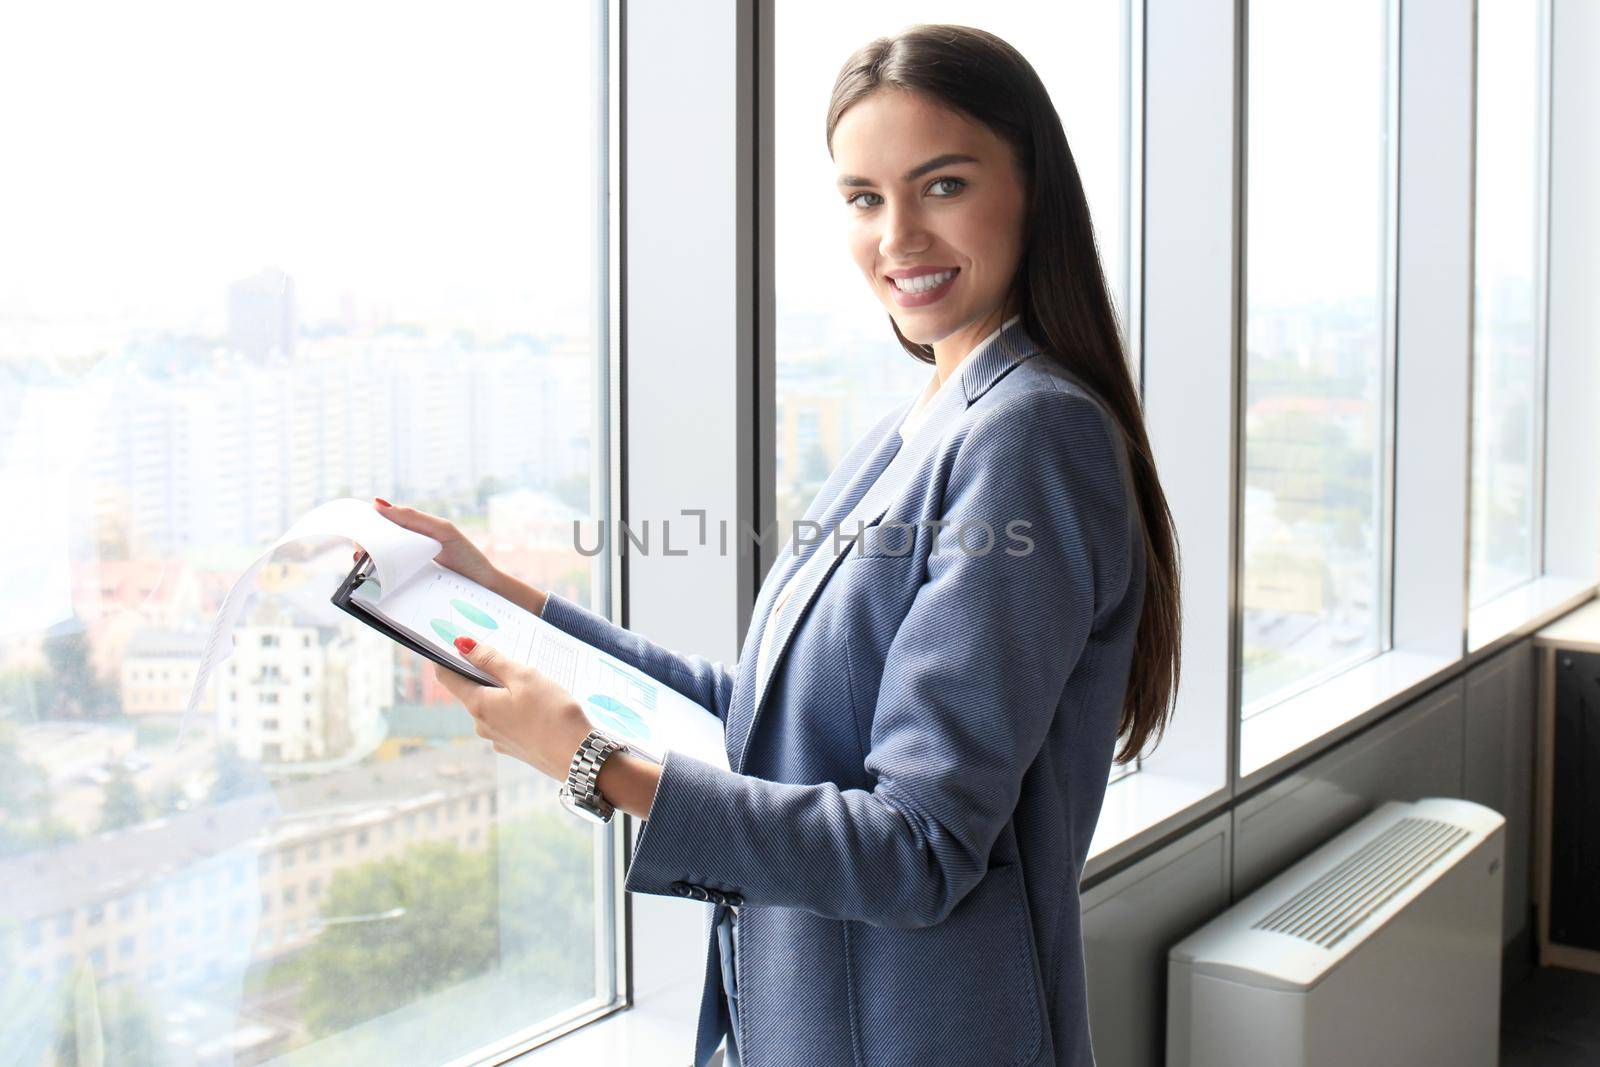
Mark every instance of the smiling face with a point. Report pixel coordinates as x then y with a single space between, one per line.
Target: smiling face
929 194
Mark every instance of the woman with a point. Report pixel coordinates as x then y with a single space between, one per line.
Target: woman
920 730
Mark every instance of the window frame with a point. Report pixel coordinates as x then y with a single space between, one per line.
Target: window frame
1501 614
1340 695
685 96
614 928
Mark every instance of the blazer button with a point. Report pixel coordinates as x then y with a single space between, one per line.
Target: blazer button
716 896
733 898
681 888
699 892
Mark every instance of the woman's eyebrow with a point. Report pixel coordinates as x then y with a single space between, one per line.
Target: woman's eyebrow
917 171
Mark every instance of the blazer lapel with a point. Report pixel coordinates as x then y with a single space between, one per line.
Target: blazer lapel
868 498
782 571
812 569
792 556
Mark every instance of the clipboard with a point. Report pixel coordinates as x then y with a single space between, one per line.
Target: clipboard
345 600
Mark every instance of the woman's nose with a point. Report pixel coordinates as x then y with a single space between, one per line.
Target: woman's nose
904 234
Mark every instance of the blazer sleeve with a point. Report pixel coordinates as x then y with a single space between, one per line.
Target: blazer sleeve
970 686
707 683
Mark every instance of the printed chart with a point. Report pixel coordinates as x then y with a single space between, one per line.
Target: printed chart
437 606
609 711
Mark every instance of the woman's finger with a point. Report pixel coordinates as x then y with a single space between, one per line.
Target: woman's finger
488 660
412 519
468 692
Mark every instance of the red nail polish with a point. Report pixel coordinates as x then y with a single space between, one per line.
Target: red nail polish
382 503
466 644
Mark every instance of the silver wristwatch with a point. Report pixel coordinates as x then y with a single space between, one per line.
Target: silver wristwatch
580 793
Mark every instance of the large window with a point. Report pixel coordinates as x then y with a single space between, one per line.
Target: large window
840 368
256 258
1506 417
1319 242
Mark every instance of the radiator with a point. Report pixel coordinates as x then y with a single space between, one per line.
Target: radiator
1381 947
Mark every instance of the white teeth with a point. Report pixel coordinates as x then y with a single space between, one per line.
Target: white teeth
923 282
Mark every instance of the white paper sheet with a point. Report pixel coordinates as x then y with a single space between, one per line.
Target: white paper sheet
436 604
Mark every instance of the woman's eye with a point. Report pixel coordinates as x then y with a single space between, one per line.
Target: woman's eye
959 184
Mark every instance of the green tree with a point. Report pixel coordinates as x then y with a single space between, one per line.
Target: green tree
547 913
73 688
21 782
360 969
122 805
99 1024
25 695
171 800
27 818
525 902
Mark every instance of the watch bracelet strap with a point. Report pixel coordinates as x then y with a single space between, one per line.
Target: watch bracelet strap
583 772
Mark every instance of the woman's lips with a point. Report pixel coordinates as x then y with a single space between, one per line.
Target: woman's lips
929 296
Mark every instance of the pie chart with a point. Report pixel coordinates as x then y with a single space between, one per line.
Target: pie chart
608 711
474 614
449 629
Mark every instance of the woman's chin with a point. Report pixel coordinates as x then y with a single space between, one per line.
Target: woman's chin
919 327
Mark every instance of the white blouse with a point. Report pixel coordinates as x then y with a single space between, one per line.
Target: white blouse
908 429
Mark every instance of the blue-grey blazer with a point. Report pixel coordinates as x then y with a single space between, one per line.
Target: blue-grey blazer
913 793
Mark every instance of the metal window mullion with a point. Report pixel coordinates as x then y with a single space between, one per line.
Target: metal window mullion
1541 357
1385 494
611 379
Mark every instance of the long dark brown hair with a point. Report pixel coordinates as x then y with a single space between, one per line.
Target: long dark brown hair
1060 290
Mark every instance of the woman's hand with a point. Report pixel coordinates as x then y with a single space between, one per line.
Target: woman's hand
462 556
457 553
532 718
538 722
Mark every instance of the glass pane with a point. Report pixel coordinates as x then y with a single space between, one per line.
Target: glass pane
256 258
839 366
1313 508
1505 294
